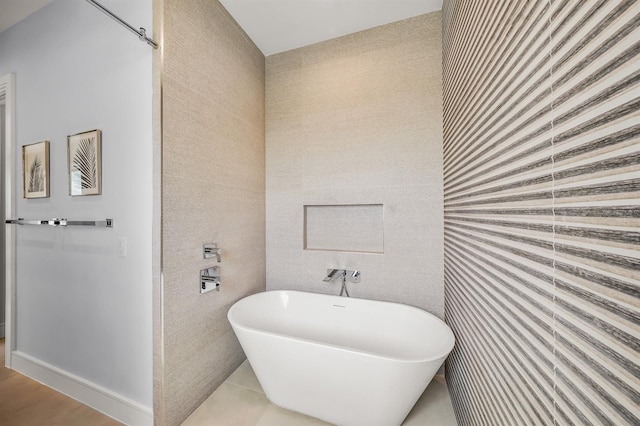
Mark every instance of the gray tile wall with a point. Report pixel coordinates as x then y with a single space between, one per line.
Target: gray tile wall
542 211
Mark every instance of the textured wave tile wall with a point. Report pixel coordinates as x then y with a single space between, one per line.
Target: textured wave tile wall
542 210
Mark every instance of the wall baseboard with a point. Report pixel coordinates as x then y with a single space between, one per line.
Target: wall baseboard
1 330
95 396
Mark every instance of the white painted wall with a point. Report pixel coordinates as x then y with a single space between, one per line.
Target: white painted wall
80 307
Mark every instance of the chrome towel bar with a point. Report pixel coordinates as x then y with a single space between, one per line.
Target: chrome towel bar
108 223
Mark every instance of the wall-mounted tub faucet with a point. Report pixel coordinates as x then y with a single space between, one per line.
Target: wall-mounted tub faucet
351 276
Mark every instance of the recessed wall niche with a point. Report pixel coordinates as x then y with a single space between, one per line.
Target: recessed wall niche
349 227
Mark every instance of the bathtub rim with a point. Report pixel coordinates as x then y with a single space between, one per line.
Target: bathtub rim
440 355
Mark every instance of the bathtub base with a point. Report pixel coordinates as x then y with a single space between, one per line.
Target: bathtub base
336 386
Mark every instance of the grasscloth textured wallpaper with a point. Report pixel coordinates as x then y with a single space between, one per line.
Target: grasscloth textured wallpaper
352 122
212 192
542 210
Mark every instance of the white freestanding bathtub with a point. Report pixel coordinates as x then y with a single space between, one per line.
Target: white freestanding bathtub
343 360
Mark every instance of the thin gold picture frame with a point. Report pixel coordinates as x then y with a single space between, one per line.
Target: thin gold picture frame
84 157
35 170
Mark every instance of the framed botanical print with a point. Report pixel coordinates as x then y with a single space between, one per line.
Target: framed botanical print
84 159
35 170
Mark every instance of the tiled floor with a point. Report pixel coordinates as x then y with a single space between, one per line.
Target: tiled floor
241 402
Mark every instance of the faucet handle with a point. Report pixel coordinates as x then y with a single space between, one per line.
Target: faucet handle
353 276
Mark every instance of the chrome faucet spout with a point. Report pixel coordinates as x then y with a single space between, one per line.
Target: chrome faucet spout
212 250
334 274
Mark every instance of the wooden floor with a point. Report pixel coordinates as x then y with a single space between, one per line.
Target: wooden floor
25 402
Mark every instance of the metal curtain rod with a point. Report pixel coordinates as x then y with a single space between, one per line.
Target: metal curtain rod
61 222
142 34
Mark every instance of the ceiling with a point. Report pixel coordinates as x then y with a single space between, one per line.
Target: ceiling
280 25
14 11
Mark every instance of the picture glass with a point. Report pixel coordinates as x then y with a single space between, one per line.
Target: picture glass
35 161
85 163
